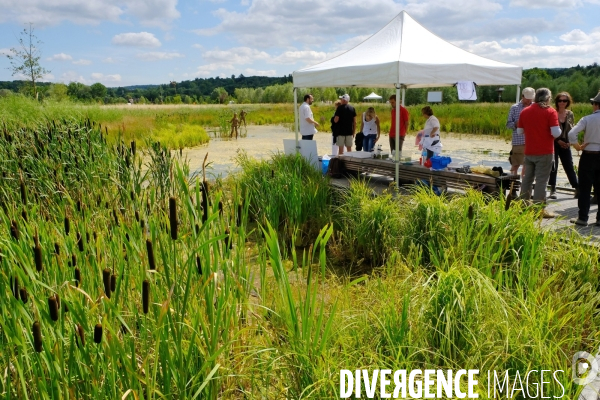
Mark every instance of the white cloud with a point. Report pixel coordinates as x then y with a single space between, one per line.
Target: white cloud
82 62
546 3
141 39
72 76
575 36
89 12
109 60
219 69
305 56
322 23
60 57
527 39
257 72
158 55
198 46
235 55
100 77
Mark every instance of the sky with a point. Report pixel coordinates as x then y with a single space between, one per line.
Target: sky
136 42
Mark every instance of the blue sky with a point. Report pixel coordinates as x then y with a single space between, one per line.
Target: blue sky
129 42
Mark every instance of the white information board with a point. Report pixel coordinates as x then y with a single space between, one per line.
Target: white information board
434 97
308 149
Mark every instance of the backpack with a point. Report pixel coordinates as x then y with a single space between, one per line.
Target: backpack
336 168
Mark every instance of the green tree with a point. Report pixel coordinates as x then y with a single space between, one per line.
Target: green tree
98 91
219 94
58 91
25 60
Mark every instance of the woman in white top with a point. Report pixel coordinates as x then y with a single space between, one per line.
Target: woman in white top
370 129
431 133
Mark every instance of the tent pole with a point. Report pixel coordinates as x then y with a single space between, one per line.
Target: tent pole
403 96
518 93
397 133
296 117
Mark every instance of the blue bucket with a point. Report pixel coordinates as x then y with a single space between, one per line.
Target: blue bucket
325 166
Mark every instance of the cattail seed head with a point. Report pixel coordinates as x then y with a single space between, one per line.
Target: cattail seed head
173 217
36 330
24 295
37 255
116 217
95 236
67 226
197 229
79 206
98 333
238 219
220 208
24 215
106 280
73 260
489 229
508 201
56 249
150 251
53 308
133 146
145 295
142 224
77 277
80 335
113 282
80 242
14 230
199 265
470 212
137 215
23 192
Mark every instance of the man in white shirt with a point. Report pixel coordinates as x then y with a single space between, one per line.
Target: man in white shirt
588 173
308 126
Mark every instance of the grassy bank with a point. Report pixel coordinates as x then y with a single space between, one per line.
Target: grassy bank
118 283
188 125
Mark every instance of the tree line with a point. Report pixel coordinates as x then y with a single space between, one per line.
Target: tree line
581 82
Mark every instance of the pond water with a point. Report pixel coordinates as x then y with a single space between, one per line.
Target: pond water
263 141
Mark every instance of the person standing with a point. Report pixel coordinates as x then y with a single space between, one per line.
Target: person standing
589 162
334 130
308 126
562 149
345 118
370 129
431 133
404 117
539 124
517 153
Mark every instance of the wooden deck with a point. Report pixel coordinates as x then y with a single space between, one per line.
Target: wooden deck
410 173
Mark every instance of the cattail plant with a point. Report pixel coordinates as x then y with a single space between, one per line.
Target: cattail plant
80 335
145 295
53 308
106 280
470 213
137 215
204 201
133 147
23 191
173 216
67 226
36 330
238 219
220 208
116 217
77 277
80 242
150 251
199 264
73 260
24 295
98 333
37 256
56 249
24 215
14 230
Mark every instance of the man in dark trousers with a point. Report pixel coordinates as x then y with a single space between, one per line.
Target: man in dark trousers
589 163
345 118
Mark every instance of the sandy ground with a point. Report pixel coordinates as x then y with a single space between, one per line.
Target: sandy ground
262 141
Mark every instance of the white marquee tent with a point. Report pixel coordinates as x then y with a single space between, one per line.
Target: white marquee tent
372 96
405 55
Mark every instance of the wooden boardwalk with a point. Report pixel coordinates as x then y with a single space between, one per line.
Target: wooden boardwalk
565 207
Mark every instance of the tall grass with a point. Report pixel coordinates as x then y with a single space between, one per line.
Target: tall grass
209 304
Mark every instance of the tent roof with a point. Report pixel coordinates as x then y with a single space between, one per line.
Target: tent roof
372 96
406 53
